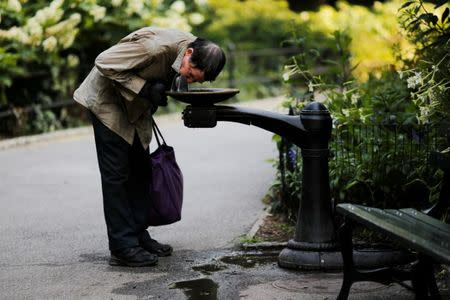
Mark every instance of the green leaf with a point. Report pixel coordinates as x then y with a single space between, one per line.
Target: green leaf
351 184
445 15
434 20
406 4
429 18
416 10
330 62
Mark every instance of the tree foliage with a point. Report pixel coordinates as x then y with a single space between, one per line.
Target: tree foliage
52 45
428 75
383 127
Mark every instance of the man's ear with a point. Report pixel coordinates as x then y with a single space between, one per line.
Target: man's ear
189 51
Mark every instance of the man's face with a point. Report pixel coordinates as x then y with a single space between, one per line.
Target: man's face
189 71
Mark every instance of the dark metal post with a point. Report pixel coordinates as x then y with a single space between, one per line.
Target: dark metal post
313 245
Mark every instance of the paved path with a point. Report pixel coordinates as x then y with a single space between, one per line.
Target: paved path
52 234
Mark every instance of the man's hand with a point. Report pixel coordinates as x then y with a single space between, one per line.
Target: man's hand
155 92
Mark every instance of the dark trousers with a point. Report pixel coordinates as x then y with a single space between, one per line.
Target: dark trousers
125 173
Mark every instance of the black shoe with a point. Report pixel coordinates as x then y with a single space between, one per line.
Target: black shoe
154 247
132 257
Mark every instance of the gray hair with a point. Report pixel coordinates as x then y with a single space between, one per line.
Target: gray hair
208 57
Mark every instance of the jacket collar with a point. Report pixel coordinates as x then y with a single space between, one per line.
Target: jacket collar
177 63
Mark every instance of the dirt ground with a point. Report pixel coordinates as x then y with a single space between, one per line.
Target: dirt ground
275 229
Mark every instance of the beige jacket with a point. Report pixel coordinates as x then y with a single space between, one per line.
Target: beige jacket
110 90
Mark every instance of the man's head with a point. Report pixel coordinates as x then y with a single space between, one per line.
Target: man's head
202 61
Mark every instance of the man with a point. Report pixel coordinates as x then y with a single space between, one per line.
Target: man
123 89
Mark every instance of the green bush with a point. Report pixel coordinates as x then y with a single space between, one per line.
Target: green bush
373 31
250 24
54 44
428 75
46 49
380 143
243 28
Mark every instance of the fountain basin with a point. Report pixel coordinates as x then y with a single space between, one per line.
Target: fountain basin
203 96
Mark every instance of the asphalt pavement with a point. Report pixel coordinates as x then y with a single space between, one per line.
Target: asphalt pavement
51 217
53 241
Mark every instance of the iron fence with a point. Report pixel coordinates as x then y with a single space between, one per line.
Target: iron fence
354 143
378 164
406 145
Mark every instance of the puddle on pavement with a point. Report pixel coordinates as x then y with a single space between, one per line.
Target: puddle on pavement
198 289
249 260
205 288
208 269
245 260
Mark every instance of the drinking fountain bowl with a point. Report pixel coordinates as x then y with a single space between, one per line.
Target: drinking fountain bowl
203 96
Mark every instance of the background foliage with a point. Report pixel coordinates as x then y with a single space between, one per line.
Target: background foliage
386 120
46 48
428 75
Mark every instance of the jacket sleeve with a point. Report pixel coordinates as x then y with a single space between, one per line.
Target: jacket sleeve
119 61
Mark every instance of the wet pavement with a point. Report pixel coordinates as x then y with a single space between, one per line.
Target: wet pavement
210 275
207 275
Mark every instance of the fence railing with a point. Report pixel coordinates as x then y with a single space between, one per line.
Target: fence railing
353 144
376 158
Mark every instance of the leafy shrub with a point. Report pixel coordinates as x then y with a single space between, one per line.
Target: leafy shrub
46 49
428 75
49 41
373 32
379 149
250 24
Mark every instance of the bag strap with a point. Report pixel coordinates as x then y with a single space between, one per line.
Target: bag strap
157 132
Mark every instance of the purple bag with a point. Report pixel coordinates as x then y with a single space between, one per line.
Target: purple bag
166 191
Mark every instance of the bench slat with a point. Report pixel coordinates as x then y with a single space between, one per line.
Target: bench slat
402 222
413 233
412 213
419 228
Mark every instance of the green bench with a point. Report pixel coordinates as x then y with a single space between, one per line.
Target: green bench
422 233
